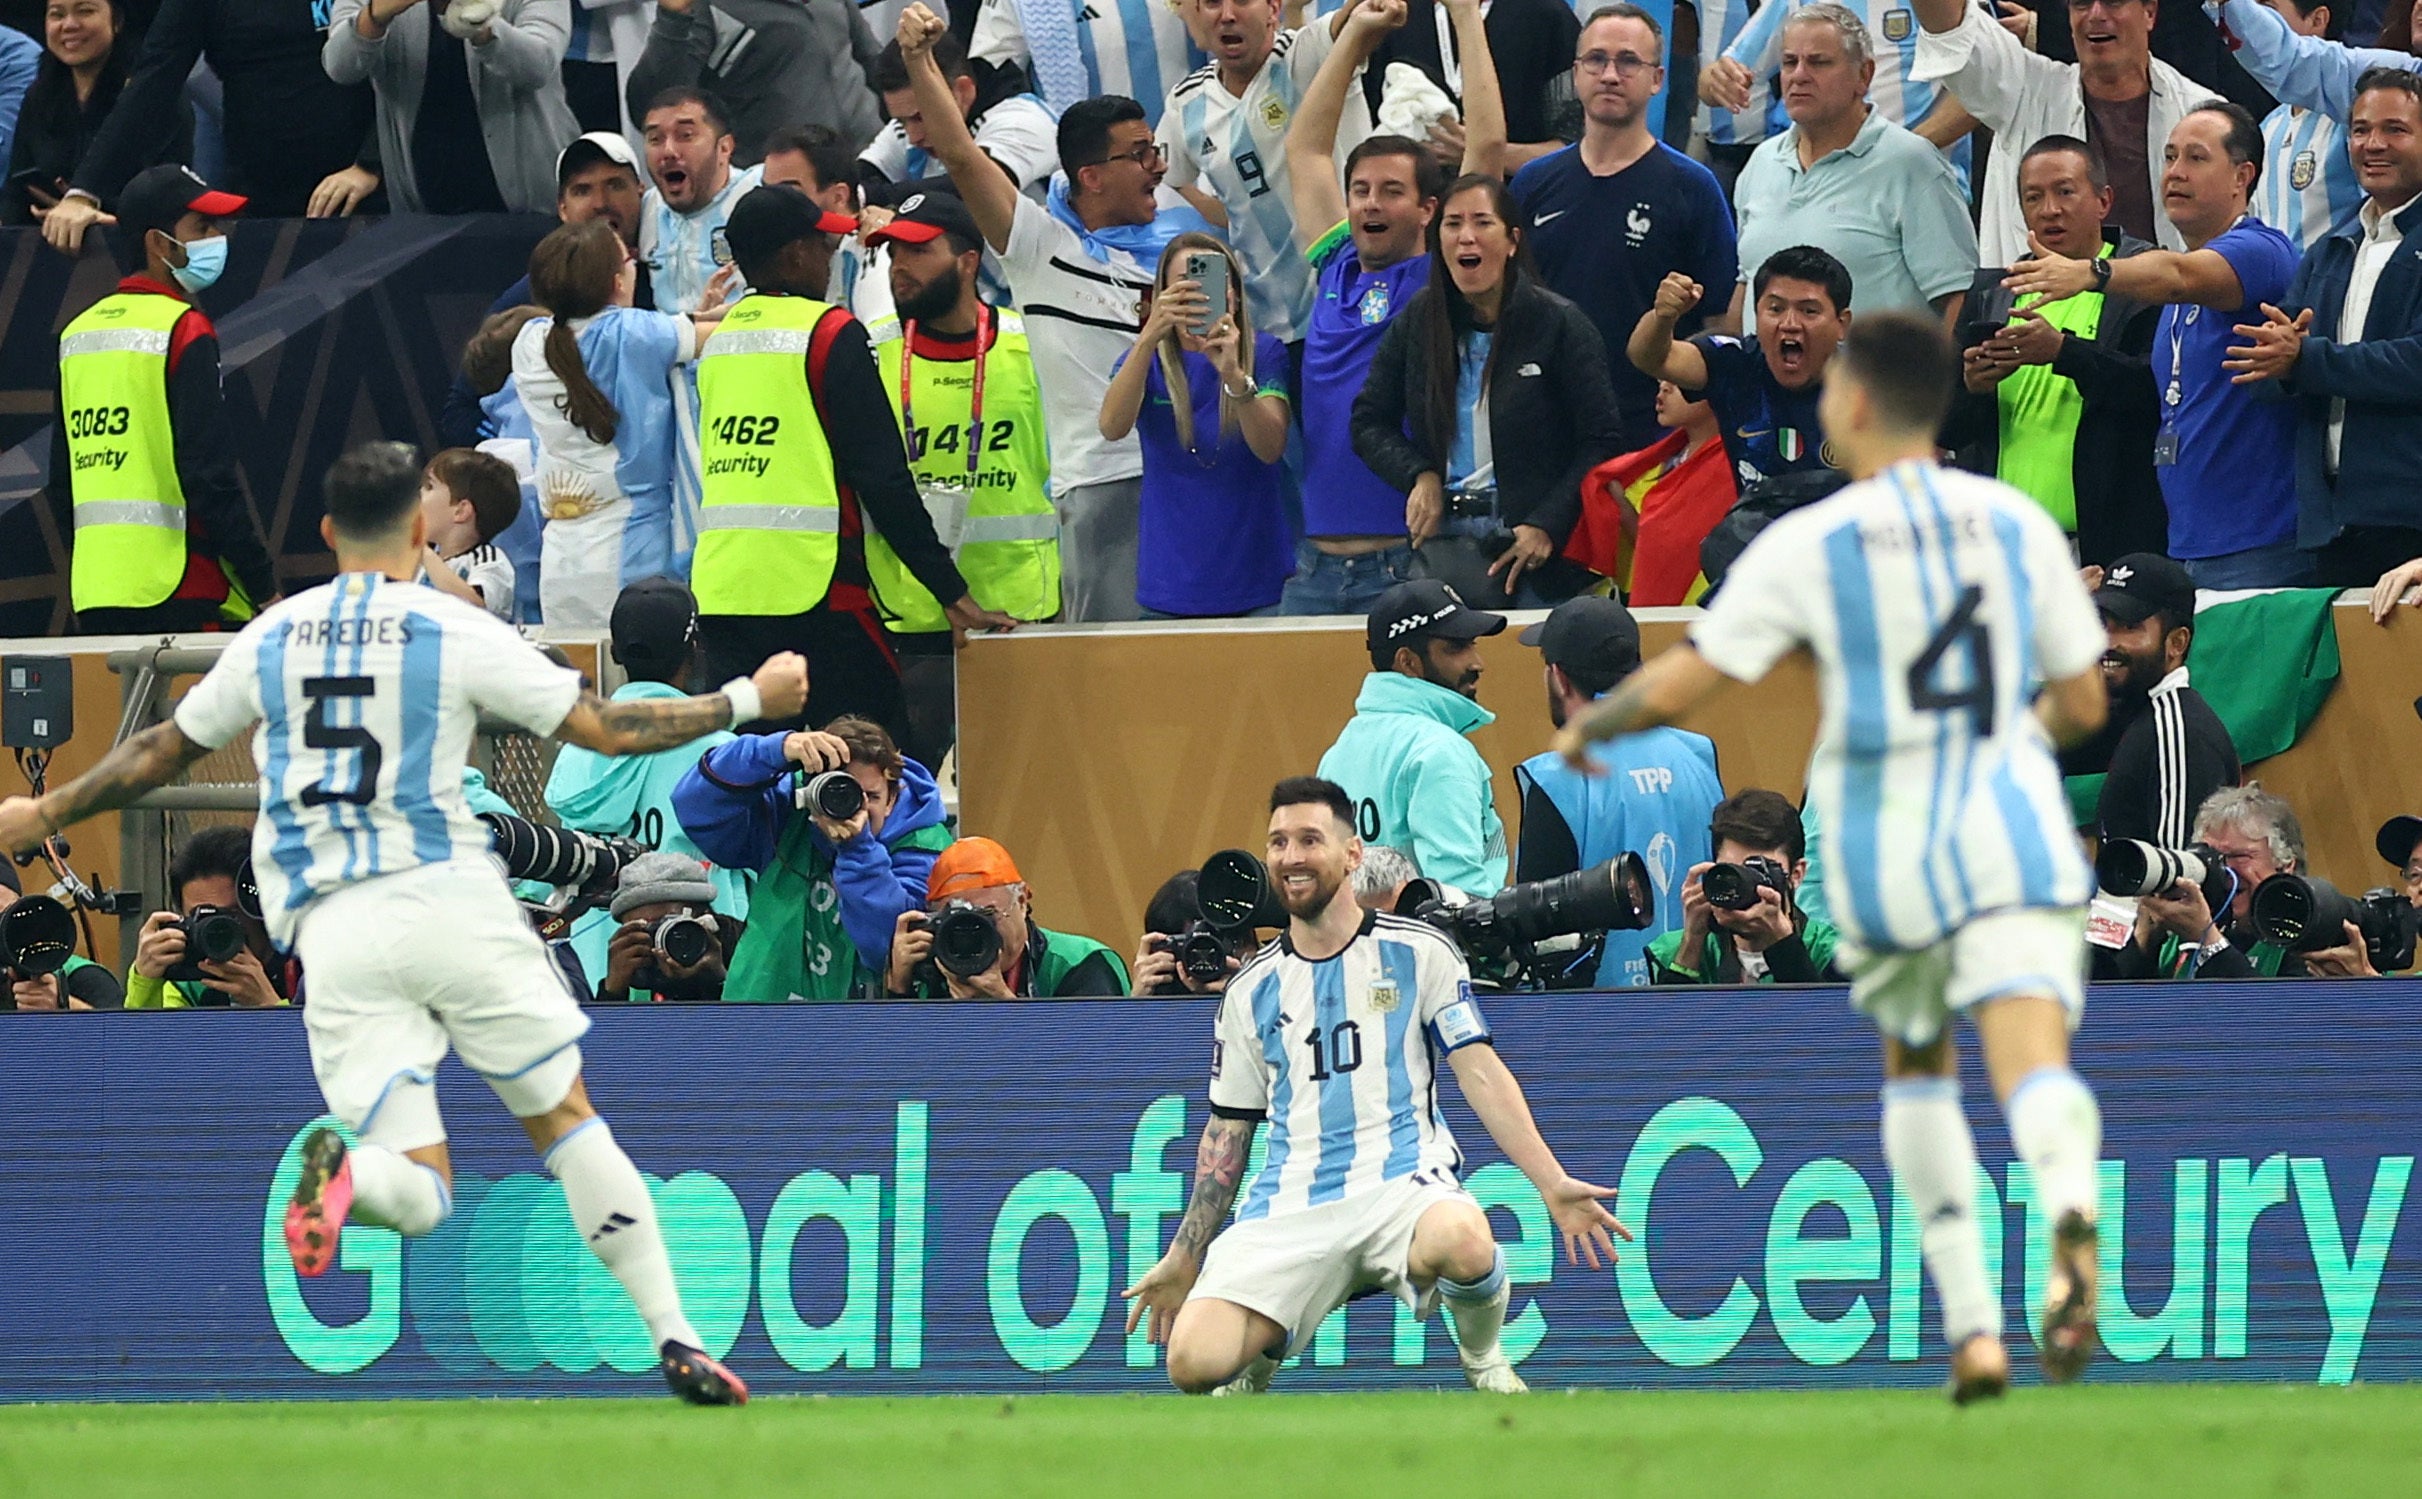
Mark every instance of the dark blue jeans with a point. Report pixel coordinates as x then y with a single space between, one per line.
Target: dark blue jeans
1324 584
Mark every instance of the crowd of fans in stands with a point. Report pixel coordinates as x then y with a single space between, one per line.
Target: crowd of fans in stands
1321 302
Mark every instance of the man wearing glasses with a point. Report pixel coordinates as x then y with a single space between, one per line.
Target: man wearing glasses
1613 215
2117 95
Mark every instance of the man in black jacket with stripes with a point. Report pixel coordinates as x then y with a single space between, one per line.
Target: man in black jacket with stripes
2165 750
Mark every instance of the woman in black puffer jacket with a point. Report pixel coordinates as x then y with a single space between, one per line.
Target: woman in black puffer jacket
1487 403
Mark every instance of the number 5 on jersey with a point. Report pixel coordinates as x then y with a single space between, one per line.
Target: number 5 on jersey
320 734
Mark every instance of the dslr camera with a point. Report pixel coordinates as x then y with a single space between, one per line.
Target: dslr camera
2304 914
684 942
583 867
1510 936
37 936
965 941
1735 887
1233 894
213 934
832 794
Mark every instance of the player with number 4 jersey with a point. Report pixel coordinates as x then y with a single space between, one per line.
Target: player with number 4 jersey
1333 1034
1954 643
366 693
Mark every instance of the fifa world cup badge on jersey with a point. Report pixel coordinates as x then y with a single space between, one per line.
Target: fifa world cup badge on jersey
1896 26
1384 996
1374 307
2300 175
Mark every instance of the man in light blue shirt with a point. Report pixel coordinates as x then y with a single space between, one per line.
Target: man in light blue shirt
1883 201
2308 187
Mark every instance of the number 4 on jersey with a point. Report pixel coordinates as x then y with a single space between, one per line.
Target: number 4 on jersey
1963 628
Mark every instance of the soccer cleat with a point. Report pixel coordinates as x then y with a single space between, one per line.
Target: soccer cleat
1493 1375
1980 1370
315 1216
1255 1380
698 1379
2067 1341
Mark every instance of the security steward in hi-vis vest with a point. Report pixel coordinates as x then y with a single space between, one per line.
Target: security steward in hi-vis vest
143 480
799 456
963 386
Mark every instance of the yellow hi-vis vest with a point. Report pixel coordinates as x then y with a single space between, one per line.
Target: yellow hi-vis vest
769 526
129 550
997 520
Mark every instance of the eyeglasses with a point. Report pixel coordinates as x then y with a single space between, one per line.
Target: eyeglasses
1621 64
1143 156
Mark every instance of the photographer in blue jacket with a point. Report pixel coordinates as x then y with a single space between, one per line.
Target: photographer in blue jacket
841 830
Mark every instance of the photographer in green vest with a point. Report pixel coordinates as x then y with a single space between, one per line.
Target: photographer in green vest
799 456
976 938
836 864
962 384
143 470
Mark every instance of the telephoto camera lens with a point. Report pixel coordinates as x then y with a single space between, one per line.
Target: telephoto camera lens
1613 896
2301 913
1235 893
1734 887
37 936
965 942
835 795
684 941
2128 868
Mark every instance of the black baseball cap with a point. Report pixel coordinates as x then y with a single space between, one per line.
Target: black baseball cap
2143 584
1426 608
927 216
161 195
654 627
2397 838
1591 635
770 217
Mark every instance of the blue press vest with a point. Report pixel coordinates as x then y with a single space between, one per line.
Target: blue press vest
1655 800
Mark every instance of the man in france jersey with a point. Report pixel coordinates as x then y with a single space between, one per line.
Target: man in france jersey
1938 606
1333 1033
367 692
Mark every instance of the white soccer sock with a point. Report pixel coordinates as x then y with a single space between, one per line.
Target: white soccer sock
612 1210
2056 1126
1933 1157
391 1190
1476 1309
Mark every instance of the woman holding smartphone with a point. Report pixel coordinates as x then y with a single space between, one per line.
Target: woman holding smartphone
1487 404
87 54
1209 401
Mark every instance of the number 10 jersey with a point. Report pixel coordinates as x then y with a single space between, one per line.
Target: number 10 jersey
1341 1056
367 692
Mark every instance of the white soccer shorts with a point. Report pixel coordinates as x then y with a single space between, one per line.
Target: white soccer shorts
398 968
1911 995
1297 1268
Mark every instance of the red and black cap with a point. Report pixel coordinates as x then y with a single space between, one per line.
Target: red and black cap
159 196
927 216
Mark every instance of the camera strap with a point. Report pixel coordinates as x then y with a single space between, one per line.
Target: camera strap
975 403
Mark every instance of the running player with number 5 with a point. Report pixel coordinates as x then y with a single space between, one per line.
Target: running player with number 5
1333 1034
1954 644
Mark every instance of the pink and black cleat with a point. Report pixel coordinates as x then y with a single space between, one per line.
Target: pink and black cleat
315 1217
700 1380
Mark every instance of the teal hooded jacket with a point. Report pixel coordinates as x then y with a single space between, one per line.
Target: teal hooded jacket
631 796
1418 784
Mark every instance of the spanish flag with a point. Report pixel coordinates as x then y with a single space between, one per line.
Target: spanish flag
1644 514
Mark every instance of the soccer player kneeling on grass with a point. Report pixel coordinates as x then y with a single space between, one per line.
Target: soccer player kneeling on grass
1953 641
366 692
1332 1032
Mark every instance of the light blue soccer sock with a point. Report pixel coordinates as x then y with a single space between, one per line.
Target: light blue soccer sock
2056 1127
391 1190
1932 1154
612 1210
1476 1310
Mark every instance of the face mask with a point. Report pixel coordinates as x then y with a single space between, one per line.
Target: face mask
205 261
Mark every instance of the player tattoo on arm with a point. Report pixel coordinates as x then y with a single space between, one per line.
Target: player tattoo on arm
1219 1164
142 763
644 726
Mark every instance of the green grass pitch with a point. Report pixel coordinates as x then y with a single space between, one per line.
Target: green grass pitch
2205 1441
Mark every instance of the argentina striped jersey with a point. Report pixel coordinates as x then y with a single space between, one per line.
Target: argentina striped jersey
1341 1056
367 692
1137 49
1936 604
1720 25
1235 149
2308 185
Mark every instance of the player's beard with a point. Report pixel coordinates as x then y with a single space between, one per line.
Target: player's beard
1314 901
